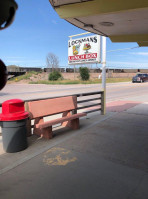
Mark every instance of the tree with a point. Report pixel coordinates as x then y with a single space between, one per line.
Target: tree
52 61
84 73
55 75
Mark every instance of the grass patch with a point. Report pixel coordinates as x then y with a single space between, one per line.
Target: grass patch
115 80
95 81
56 82
24 77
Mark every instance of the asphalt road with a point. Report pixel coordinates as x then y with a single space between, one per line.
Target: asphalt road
115 91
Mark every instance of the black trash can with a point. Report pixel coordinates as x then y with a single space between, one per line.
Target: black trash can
13 123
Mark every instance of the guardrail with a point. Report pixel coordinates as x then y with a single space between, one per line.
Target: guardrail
81 103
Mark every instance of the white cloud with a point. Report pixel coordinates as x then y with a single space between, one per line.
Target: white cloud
21 61
14 57
14 61
127 64
140 53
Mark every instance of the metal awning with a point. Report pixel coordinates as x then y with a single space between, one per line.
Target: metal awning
121 21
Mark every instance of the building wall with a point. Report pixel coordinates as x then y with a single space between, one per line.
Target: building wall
76 76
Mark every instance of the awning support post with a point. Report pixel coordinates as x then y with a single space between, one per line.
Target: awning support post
104 74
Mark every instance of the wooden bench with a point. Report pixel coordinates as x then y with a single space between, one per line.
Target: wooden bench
65 105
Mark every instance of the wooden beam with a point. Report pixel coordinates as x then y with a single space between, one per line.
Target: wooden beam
129 38
97 7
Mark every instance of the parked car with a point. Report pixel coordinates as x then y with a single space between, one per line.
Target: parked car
140 78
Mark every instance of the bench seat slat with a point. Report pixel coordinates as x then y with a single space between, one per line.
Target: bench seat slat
59 120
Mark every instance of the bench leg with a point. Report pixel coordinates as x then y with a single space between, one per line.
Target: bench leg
37 131
74 124
45 133
67 113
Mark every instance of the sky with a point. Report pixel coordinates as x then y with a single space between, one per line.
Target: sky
38 30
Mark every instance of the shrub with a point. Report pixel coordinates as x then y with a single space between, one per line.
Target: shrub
84 73
55 75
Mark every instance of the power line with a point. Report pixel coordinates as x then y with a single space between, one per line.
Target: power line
123 49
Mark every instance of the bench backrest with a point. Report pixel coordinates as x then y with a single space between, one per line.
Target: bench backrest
47 107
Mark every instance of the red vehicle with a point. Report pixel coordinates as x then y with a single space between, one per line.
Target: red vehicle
140 78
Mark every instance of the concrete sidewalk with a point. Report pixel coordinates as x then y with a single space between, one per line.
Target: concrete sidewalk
106 158
39 145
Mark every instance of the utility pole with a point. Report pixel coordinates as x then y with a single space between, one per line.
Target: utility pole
104 74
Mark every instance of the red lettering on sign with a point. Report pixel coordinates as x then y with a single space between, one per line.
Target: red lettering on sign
81 57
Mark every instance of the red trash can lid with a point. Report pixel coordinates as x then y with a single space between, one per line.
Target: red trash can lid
13 110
